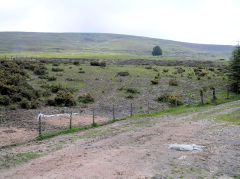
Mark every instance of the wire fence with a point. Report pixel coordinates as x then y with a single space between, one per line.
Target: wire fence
52 120
102 114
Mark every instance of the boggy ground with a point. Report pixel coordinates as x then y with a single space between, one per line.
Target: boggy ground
135 148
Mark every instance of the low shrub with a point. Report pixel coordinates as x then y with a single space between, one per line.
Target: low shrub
180 70
5 100
65 98
211 69
52 78
55 64
57 87
130 96
76 62
87 98
56 69
132 90
154 81
81 71
40 70
148 67
96 63
203 73
25 104
165 70
51 102
173 82
170 98
123 73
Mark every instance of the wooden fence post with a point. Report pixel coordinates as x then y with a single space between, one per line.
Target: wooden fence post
39 125
201 96
227 92
176 102
148 107
113 112
93 117
70 126
214 93
131 109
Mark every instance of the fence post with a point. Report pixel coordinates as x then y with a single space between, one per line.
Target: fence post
70 126
39 125
201 96
227 92
214 93
113 112
93 117
176 102
131 109
148 107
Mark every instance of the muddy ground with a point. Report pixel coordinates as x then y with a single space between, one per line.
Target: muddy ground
137 148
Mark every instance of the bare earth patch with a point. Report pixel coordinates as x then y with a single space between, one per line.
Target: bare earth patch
138 149
77 120
12 135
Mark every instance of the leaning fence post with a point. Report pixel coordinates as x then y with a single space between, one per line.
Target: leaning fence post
201 96
70 126
148 107
131 109
93 117
39 125
113 112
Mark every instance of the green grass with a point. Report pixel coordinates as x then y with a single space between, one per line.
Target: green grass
12 159
233 117
102 46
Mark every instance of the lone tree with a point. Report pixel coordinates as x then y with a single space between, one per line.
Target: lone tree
157 51
234 70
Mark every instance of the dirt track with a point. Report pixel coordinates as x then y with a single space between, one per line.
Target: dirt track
138 149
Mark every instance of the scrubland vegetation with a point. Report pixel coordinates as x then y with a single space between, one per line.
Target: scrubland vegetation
33 83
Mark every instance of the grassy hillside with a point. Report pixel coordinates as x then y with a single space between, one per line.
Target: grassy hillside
103 46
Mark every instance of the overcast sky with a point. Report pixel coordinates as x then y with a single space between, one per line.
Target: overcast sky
198 21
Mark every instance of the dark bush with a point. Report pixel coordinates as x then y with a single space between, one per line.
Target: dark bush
40 70
96 63
46 93
148 67
81 71
5 100
130 96
180 70
13 85
51 102
52 78
170 98
132 90
65 98
76 62
56 69
55 64
123 73
173 82
57 87
86 99
211 69
154 82
165 70
43 76
203 73
25 104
